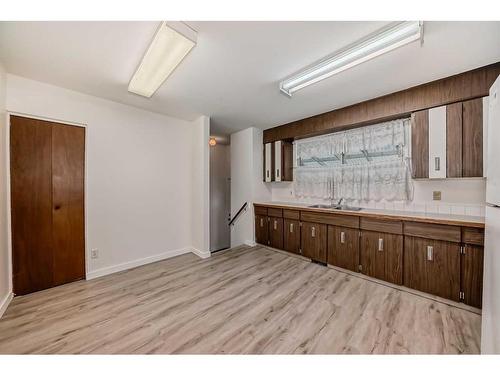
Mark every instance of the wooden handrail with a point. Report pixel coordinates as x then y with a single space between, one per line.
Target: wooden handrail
243 208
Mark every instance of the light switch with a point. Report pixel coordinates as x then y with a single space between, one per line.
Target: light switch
436 195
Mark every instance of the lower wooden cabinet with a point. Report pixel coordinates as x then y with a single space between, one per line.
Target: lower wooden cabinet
261 229
276 232
313 241
291 236
381 256
471 269
343 247
432 266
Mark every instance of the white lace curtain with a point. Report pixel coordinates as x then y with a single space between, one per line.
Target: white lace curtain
369 163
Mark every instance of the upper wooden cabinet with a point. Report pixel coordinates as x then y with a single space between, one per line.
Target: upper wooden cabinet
447 141
278 161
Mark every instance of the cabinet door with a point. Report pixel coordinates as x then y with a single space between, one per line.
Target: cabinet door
313 241
291 236
420 144
343 247
268 162
432 266
454 140
276 232
437 142
278 171
381 256
472 275
261 229
472 151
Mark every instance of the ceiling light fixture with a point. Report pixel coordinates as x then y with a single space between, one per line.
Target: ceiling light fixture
385 40
171 43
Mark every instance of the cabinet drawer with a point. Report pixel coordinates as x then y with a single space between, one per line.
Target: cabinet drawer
330 219
274 212
291 214
381 225
433 231
259 210
473 236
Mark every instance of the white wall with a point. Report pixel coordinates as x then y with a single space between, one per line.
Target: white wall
146 175
200 160
5 281
246 182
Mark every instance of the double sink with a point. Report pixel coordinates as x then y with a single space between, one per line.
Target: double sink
335 207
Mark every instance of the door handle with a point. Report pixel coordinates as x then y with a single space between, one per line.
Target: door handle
261 222
430 253
275 225
313 232
342 237
277 172
437 163
380 244
291 227
267 173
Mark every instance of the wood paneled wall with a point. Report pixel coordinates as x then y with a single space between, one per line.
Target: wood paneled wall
460 87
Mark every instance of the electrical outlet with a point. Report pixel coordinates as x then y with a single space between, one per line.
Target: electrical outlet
94 253
436 195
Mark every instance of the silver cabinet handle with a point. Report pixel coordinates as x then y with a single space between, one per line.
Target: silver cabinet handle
430 251
437 163
380 244
313 232
291 227
267 173
261 222
275 225
277 172
342 237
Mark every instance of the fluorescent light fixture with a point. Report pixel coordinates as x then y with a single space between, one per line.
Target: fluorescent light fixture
166 51
385 40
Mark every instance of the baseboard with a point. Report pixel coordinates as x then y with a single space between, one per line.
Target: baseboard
4 303
250 243
136 263
202 254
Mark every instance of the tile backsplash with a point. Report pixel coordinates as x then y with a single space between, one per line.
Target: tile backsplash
459 197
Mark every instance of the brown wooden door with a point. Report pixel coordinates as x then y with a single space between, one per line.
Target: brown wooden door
343 247
47 200
276 232
472 275
420 144
432 266
68 155
31 204
291 236
472 135
261 230
313 241
381 256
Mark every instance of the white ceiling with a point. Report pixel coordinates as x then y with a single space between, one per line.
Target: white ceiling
232 74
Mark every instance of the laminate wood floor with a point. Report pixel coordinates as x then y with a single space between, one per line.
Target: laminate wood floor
244 300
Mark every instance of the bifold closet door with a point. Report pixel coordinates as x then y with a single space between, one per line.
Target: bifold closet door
47 203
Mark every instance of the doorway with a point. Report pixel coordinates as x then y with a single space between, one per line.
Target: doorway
220 194
47 169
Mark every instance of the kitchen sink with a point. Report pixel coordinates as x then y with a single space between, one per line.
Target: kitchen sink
336 207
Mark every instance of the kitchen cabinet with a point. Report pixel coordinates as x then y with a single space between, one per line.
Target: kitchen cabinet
313 241
261 229
437 142
343 247
291 236
278 161
471 275
432 266
381 256
449 141
276 232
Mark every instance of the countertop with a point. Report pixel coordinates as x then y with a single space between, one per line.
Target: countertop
464 220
